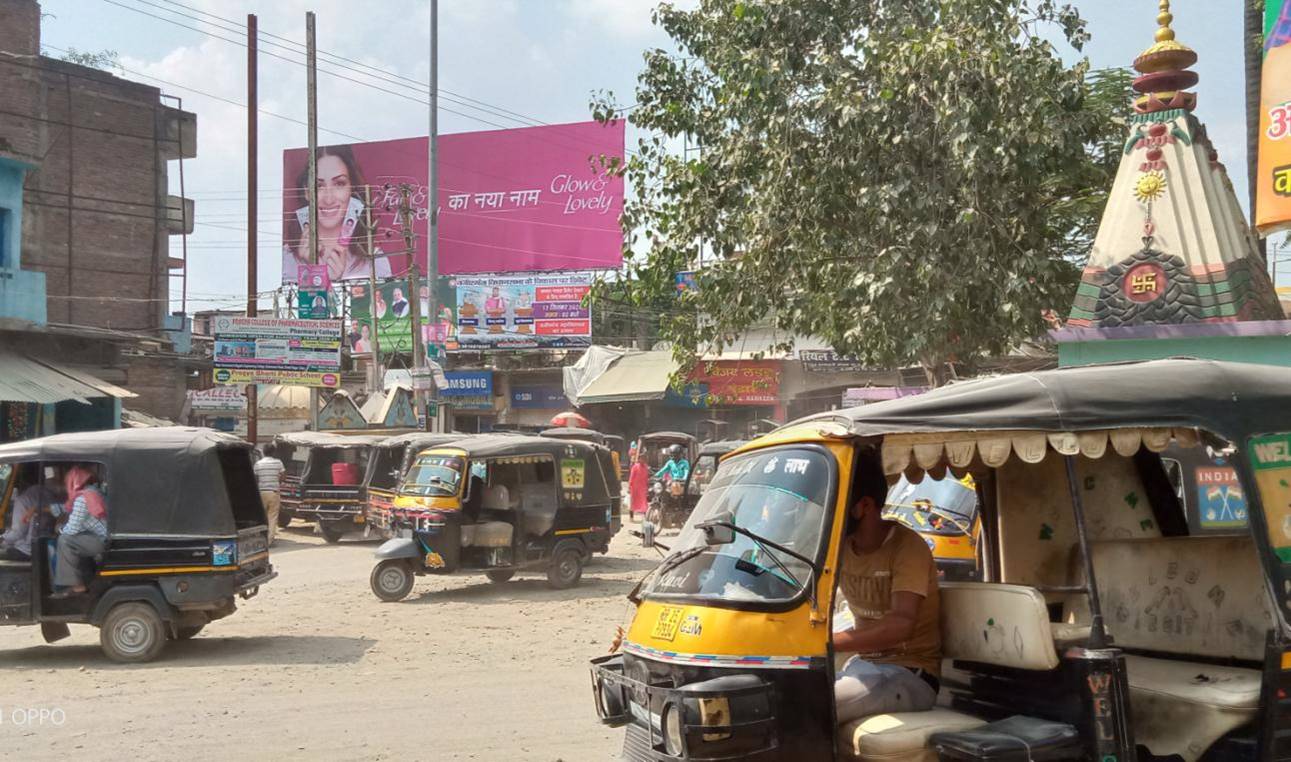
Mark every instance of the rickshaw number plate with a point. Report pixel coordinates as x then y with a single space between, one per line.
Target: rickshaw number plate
665 628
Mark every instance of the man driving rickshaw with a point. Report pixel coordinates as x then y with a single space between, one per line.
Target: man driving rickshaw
1104 627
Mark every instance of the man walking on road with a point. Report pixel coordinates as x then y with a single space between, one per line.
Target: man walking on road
268 472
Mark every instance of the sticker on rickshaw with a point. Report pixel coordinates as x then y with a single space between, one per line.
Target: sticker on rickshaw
665 627
222 553
434 560
571 473
1271 458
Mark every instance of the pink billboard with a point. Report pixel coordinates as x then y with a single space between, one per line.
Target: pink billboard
524 200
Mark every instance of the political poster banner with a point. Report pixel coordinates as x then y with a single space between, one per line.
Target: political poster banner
519 200
539 310
1273 178
393 306
277 351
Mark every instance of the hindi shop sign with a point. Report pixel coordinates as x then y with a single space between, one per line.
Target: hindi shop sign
277 351
737 382
469 389
828 361
537 311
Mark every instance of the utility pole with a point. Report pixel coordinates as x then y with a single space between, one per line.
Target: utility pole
311 89
414 303
1253 58
253 140
370 224
432 190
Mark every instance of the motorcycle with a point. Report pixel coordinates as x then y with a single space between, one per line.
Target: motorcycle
668 506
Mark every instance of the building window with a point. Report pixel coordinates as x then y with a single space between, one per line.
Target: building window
7 258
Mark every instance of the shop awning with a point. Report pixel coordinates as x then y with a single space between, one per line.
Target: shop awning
634 377
23 379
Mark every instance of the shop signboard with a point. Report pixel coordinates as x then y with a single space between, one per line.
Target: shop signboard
469 389
539 397
734 382
534 311
828 361
857 396
277 351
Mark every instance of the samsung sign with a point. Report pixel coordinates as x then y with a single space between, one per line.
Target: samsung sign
468 383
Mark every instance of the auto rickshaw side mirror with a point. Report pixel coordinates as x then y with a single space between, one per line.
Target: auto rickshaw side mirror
719 530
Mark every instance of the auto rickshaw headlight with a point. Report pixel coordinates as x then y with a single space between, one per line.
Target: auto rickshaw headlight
672 730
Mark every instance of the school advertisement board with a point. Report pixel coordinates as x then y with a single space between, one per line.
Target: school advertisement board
277 351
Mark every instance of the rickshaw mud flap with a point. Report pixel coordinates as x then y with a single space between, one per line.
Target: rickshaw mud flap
149 594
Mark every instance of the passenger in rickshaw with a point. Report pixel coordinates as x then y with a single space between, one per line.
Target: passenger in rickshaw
84 535
31 497
889 579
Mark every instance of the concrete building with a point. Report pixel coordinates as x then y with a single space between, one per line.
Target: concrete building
85 222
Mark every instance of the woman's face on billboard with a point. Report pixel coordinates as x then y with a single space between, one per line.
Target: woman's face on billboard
334 190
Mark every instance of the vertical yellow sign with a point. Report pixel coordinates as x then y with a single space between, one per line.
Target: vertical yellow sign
1273 176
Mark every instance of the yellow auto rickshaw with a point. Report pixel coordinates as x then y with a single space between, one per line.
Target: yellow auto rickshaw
1103 628
944 513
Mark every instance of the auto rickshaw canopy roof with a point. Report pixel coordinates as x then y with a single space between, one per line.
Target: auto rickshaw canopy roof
573 432
722 446
1072 410
506 445
421 440
164 481
677 436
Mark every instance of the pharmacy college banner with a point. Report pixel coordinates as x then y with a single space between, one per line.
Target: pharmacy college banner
540 310
277 351
1273 184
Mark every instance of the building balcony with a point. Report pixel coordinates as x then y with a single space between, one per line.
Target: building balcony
22 295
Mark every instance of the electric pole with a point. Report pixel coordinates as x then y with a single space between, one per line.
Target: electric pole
311 88
253 135
432 193
370 224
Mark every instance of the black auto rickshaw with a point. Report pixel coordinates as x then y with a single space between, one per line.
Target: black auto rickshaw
293 450
1103 628
186 535
389 462
500 504
587 435
705 465
331 485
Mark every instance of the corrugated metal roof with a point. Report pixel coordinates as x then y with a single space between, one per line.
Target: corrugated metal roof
109 390
22 379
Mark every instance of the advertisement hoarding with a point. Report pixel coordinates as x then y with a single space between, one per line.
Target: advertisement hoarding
540 310
469 389
277 351
394 316
1273 183
519 200
730 382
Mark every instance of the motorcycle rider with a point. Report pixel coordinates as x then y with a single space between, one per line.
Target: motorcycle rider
677 469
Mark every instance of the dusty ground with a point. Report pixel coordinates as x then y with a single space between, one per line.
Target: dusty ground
315 667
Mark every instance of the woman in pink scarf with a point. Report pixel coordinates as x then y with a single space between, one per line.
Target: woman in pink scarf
84 535
639 487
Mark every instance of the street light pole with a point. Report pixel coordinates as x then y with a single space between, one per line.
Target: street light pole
432 190
311 88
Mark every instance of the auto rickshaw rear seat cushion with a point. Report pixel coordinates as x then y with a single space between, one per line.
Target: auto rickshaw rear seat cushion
1014 739
1188 597
900 737
1003 625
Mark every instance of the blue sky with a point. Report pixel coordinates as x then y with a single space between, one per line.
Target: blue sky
537 58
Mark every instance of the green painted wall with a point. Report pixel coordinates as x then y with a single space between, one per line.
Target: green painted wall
1266 350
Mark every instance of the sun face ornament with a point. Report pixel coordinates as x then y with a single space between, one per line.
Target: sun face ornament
1150 186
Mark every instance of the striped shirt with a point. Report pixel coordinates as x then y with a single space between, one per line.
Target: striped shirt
268 472
81 522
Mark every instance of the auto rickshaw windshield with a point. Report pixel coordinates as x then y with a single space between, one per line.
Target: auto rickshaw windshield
777 495
946 507
434 475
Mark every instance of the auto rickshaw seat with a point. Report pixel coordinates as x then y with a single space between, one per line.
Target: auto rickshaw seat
1181 597
488 534
981 623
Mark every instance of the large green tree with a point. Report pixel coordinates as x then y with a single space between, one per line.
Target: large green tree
915 182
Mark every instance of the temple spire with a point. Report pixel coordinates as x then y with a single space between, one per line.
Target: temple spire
1163 71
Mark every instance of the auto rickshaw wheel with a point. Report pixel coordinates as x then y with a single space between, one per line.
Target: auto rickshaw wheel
392 579
330 533
566 568
500 576
132 632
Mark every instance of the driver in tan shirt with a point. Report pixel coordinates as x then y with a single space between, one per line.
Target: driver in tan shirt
889 580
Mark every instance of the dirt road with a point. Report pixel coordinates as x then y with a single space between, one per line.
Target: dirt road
315 667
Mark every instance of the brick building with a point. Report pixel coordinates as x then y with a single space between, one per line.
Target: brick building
86 216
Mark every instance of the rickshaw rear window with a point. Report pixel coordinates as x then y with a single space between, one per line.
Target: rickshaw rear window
945 507
434 475
240 484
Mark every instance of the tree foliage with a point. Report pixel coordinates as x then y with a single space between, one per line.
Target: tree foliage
913 182
107 60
